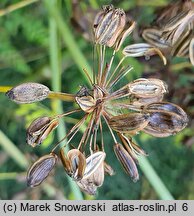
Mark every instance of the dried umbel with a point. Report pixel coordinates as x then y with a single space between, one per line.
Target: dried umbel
28 93
126 110
173 30
39 170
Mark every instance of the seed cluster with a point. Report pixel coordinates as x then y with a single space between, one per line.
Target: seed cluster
137 106
173 31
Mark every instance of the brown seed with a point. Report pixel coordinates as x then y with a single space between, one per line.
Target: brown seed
86 103
78 163
39 130
87 186
147 88
39 170
93 162
74 163
108 169
131 122
28 93
126 161
191 51
165 119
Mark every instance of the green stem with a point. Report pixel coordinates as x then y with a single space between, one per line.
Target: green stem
13 151
154 179
68 38
55 61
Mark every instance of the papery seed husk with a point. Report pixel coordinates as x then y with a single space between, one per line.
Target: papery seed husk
119 29
142 101
86 103
28 93
66 163
164 123
39 170
103 24
131 122
126 161
124 34
86 186
48 130
167 106
78 163
109 31
39 130
38 124
191 51
136 50
183 17
153 37
108 169
147 87
93 162
98 176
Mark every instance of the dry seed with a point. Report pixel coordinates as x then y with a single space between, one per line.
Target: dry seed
28 93
136 50
166 106
147 87
191 51
153 37
131 122
109 32
124 34
87 186
66 163
86 103
164 123
126 161
108 169
78 163
93 162
39 171
39 130
103 24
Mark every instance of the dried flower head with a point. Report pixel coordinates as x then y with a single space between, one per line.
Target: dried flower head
173 30
126 111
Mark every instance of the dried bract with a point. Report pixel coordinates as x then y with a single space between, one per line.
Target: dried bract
28 93
39 170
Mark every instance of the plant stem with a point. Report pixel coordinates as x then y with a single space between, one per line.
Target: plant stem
55 62
68 38
154 179
13 151
16 6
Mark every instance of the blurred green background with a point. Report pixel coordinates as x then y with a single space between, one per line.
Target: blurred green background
45 41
